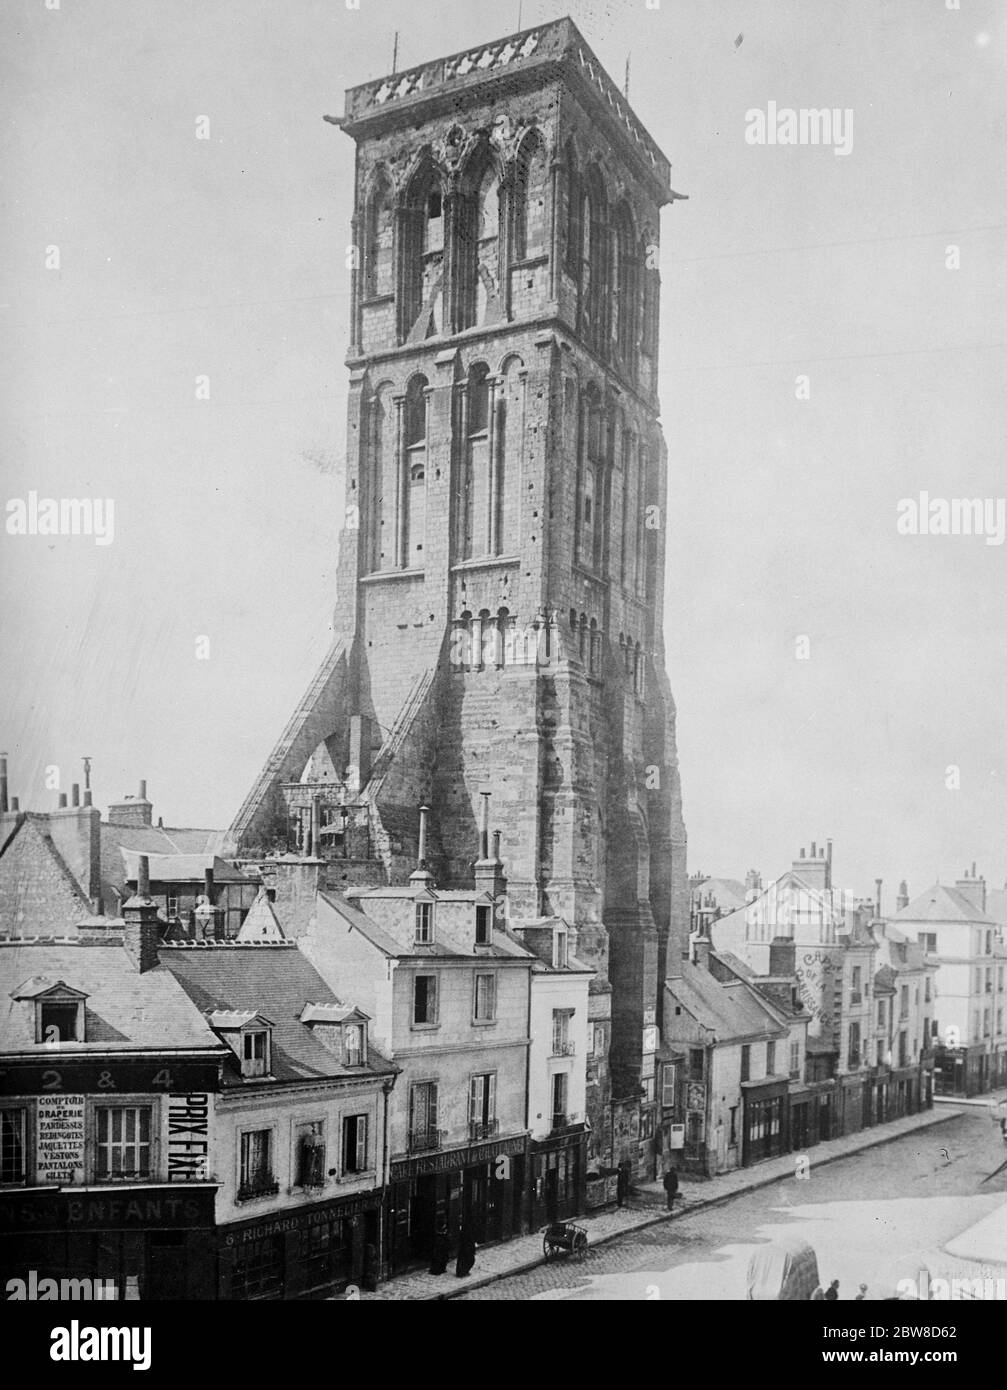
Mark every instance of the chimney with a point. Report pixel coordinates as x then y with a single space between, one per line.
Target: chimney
782 956
488 872
3 784
62 801
77 836
87 796
131 810
828 863
973 888
903 899
142 932
700 944
813 871
753 885
315 847
877 897
75 794
421 874
15 805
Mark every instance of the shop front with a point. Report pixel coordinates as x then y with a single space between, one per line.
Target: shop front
480 1187
310 1252
151 1243
764 1119
558 1172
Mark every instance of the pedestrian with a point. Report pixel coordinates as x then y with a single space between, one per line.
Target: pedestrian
862 1294
818 1294
369 1276
441 1251
832 1292
671 1187
466 1252
625 1170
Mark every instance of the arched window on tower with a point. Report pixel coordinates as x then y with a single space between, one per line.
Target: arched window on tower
651 296
529 228
414 438
626 286
382 482
475 486
592 482
574 200
594 274
478 250
378 236
421 292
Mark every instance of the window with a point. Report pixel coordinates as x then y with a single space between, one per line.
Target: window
484 922
12 1145
560 1095
733 1137
424 924
1000 1020
855 986
928 990
482 1105
561 1044
696 1064
422 257
668 1079
928 940
353 1045
529 235
881 1013
903 1049
378 243
423 1133
853 1051
255 1053
256 1174
770 1058
746 1062
485 1003
562 950
598 1040
795 1059
122 1147
989 943
986 1023
904 1002
57 1021
425 999
309 1154
355 1155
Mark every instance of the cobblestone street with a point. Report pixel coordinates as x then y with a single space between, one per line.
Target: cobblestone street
868 1217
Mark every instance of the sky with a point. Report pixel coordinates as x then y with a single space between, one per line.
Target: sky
833 341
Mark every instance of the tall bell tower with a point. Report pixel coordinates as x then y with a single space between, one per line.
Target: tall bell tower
501 570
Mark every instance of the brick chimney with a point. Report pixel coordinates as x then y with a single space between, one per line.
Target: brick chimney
488 871
142 932
131 810
973 887
782 956
814 868
700 946
76 832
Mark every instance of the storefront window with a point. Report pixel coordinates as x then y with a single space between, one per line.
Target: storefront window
259 1271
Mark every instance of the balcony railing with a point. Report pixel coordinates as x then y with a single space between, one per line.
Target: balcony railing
264 1186
423 1140
562 1049
483 1129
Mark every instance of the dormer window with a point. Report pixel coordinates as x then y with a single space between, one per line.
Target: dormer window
484 922
424 928
354 1040
561 950
255 1053
59 1010
57 1021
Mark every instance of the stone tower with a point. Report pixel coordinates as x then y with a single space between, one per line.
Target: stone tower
501 568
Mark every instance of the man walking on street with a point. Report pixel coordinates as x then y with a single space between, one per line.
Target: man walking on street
671 1187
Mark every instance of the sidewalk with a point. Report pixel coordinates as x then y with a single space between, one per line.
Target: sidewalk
646 1207
988 1100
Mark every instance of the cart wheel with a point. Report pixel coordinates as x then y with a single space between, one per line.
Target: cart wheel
580 1245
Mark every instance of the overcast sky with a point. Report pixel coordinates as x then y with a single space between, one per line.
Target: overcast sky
181 258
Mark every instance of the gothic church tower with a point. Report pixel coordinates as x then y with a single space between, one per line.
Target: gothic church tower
501 571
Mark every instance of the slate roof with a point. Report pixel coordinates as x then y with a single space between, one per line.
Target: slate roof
941 904
996 905
124 1009
728 893
504 946
278 981
726 1010
183 868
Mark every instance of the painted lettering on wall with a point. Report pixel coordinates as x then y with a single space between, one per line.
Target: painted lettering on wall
188 1136
59 1140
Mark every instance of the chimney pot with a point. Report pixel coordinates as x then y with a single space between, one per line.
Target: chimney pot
143 789
484 828
208 884
814 850
421 856
143 878
87 796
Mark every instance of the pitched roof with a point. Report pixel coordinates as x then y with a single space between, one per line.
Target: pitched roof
261 924
503 944
182 868
726 1010
728 893
38 893
941 904
277 981
124 1009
